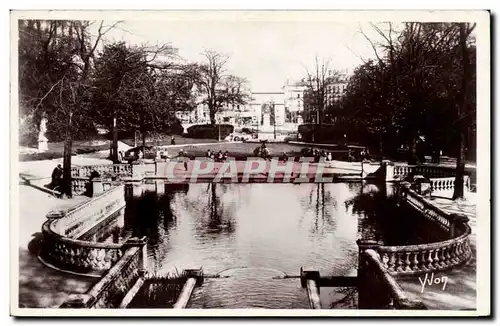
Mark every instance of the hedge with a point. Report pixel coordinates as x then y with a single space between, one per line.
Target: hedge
210 131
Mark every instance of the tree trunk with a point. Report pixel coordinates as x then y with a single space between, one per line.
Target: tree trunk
212 116
458 191
68 146
381 148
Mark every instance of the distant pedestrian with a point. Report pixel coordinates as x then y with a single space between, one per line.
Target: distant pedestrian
183 155
172 140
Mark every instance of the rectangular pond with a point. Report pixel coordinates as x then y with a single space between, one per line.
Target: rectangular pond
246 235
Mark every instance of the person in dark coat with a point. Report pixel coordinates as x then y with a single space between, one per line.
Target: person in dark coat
172 140
56 177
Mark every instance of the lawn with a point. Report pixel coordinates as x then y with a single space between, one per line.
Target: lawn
56 149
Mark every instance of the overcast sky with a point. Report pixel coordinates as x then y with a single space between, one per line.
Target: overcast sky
264 52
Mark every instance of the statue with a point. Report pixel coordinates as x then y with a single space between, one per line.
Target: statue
42 140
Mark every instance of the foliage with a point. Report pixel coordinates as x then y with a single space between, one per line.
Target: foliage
413 89
210 131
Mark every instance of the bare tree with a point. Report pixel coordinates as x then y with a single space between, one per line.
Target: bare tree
219 87
318 81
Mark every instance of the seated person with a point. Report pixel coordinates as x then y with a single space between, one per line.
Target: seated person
283 157
56 177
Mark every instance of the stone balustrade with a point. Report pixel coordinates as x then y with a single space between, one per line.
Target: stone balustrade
62 249
447 184
76 256
423 258
113 287
119 170
80 185
428 171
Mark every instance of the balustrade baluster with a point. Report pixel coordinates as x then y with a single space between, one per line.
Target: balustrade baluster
407 262
384 259
415 262
436 258
392 262
448 256
430 260
423 260
399 262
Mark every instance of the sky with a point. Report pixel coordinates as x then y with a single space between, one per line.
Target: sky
266 53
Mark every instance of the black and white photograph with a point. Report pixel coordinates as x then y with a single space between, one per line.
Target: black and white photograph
250 163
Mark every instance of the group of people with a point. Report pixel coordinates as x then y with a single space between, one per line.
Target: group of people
217 157
263 152
351 156
317 154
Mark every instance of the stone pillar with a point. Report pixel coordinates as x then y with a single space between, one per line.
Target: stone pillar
308 273
422 185
402 191
137 189
369 289
455 221
388 167
97 187
142 243
160 186
195 273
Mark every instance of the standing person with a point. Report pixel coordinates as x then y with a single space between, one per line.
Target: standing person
172 140
184 156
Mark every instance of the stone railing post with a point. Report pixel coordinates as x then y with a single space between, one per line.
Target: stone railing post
140 242
388 167
367 279
422 185
402 191
456 220
309 279
97 186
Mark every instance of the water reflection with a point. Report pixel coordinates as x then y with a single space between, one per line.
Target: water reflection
279 226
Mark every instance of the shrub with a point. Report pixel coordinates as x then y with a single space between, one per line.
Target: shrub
210 131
